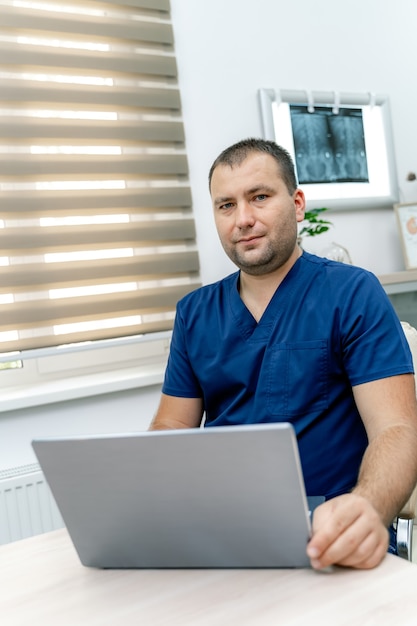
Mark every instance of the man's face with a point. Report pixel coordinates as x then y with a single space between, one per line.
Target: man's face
255 215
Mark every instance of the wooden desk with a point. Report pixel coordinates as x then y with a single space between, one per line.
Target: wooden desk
43 583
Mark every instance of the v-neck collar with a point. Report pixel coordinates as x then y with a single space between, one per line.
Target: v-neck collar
249 328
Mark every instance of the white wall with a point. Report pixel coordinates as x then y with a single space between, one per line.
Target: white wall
226 50
125 411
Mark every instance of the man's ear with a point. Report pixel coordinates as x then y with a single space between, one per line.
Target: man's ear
300 204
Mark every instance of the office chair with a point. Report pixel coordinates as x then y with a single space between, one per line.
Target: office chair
405 519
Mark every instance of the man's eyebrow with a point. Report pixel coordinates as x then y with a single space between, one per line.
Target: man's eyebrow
222 199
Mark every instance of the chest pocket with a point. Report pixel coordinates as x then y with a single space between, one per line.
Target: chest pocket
297 378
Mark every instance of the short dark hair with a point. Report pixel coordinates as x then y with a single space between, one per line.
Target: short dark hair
237 153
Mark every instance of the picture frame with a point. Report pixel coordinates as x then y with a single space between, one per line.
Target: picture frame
406 215
367 119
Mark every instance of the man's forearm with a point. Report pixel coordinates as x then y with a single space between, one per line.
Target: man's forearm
388 471
175 413
167 423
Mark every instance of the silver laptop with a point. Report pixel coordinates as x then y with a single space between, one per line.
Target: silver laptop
223 497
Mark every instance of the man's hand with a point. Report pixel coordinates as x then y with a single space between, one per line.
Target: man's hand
347 531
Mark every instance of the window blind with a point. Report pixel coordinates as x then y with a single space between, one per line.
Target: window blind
96 224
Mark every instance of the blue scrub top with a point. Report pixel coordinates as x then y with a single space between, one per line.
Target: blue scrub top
328 327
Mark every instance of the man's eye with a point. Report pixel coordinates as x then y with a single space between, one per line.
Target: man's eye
226 206
261 196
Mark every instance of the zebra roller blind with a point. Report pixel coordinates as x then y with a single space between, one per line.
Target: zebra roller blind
96 225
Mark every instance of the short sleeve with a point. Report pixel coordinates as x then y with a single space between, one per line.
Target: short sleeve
373 342
180 380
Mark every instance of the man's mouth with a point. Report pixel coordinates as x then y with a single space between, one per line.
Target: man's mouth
249 240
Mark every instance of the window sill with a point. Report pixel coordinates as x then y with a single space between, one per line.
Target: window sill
76 387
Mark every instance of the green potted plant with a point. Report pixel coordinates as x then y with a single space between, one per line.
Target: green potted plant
314 224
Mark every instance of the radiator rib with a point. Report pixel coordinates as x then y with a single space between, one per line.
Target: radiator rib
27 506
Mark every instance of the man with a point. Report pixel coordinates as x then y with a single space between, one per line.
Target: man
294 337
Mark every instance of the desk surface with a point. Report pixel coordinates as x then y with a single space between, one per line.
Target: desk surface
43 583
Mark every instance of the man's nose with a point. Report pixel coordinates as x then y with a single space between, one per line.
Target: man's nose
244 214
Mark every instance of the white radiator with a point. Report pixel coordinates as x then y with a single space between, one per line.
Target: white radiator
27 506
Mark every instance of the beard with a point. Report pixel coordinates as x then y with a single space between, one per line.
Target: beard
263 260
